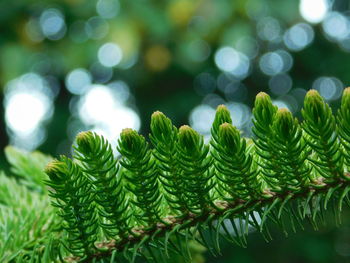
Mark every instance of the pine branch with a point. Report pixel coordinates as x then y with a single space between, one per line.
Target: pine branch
141 176
153 198
28 224
74 199
98 162
229 209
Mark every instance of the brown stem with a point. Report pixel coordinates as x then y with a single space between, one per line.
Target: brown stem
191 219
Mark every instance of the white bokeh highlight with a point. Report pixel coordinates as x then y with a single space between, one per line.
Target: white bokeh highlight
336 26
108 8
102 108
232 61
298 37
110 55
78 80
313 11
52 24
28 104
330 88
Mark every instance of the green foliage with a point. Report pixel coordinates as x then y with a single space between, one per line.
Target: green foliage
74 199
264 112
163 137
184 193
222 115
27 221
142 176
98 162
234 165
29 168
320 126
194 170
289 147
343 120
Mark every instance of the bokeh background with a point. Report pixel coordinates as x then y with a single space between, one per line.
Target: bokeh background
73 65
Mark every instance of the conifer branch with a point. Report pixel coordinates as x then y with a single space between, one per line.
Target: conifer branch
232 209
289 172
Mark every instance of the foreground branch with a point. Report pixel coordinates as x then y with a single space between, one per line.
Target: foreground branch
182 186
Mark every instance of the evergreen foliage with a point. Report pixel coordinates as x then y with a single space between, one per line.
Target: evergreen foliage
343 127
320 126
74 195
234 165
98 162
28 225
152 202
195 175
164 137
141 174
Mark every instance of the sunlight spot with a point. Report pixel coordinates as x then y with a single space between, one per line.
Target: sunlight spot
313 11
110 55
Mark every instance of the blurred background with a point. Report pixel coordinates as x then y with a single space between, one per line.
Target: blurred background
73 65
